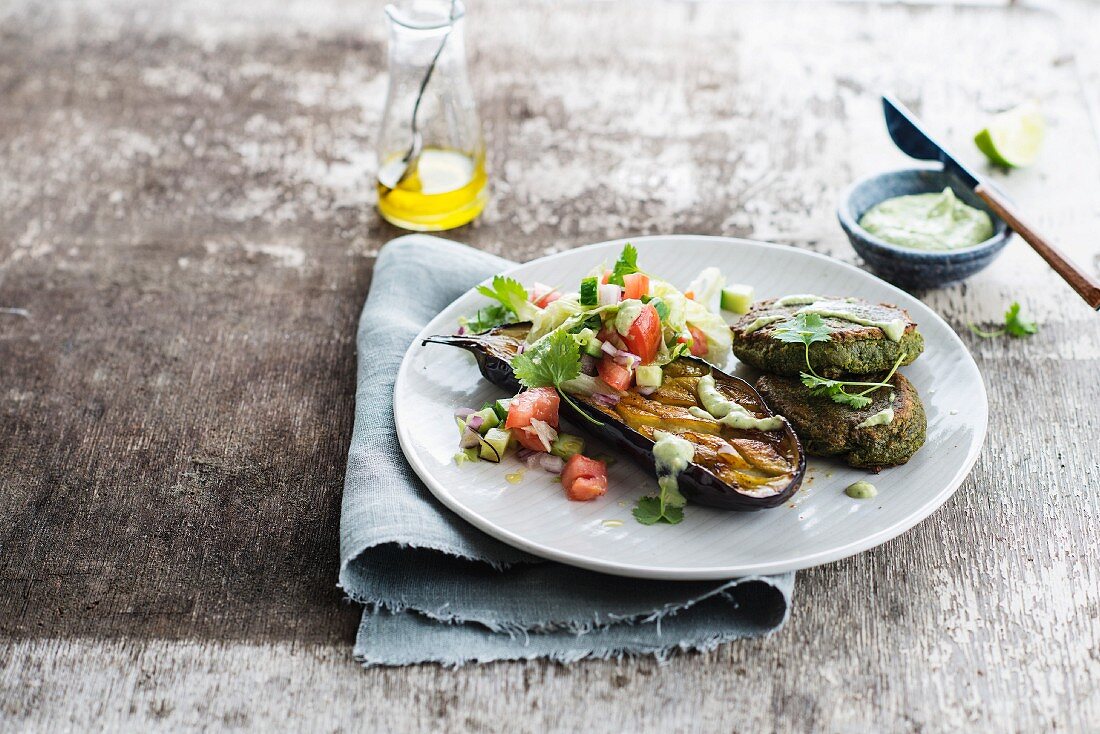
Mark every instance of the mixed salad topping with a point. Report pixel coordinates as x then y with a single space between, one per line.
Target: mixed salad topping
618 332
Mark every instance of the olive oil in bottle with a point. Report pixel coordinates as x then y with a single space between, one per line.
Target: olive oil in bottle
431 155
446 189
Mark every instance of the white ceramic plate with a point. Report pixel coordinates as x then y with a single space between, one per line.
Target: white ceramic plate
820 523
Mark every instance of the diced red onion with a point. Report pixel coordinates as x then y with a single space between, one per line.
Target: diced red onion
538 290
463 412
606 400
520 349
475 422
470 438
646 390
609 349
532 461
523 453
551 463
588 364
609 294
626 359
461 331
545 432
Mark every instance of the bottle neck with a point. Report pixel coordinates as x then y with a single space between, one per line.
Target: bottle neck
421 29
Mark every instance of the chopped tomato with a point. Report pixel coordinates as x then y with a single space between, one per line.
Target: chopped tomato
637 285
644 335
698 342
548 299
585 489
614 374
583 478
540 402
606 277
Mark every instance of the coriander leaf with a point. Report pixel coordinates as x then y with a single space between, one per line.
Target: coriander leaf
805 328
834 390
674 515
550 362
1016 325
485 319
814 382
667 506
852 401
647 511
625 265
512 295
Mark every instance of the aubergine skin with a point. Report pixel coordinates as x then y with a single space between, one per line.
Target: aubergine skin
495 349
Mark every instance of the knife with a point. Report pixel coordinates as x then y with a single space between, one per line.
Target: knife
910 137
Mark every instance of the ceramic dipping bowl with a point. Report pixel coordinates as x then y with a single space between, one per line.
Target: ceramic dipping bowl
904 266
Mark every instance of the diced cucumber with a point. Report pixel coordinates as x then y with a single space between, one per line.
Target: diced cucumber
495 444
594 347
737 298
566 445
488 420
590 291
466 455
661 307
649 375
500 407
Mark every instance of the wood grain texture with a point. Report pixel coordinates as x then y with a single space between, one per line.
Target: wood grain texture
187 219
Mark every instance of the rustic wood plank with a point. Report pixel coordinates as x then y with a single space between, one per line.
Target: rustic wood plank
187 220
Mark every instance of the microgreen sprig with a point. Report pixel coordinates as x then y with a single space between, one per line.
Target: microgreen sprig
1015 325
807 329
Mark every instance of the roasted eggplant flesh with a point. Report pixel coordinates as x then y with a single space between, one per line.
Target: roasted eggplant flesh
738 469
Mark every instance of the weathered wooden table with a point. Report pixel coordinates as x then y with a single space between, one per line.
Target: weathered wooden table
186 218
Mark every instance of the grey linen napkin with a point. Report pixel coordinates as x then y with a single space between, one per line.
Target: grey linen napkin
438 590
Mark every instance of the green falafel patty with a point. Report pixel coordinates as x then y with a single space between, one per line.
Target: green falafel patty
853 348
862 437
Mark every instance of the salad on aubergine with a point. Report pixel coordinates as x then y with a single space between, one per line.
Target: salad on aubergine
628 358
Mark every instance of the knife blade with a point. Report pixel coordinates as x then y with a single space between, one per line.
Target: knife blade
912 139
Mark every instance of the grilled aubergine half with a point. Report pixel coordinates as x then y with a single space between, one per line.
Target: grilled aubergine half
734 469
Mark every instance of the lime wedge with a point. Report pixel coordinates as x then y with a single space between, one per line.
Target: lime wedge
1013 138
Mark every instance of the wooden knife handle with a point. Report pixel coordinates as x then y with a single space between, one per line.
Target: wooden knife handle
1078 279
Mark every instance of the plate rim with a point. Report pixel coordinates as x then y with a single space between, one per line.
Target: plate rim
709 573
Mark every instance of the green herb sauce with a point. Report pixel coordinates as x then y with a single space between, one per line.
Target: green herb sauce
861 490
881 418
761 322
629 310
718 407
671 455
928 222
845 310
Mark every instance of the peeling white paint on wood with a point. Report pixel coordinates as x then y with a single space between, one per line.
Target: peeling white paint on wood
222 153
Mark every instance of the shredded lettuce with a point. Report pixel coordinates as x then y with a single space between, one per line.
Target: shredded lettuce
707 288
682 312
717 331
554 315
